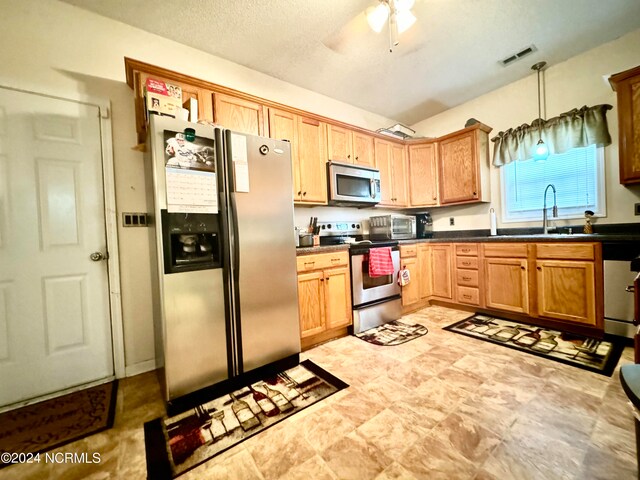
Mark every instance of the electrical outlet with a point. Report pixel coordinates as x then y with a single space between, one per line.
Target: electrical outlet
636 208
451 221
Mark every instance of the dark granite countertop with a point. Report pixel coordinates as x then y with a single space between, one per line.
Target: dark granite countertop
628 232
551 237
321 249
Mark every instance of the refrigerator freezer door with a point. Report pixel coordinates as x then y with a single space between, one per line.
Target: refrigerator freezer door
195 340
266 277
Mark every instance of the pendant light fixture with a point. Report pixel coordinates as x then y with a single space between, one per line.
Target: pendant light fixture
540 151
396 13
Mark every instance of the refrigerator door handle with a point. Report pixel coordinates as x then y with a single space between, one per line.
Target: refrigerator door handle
236 237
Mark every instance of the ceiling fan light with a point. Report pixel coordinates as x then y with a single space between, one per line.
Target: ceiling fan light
405 20
377 17
404 4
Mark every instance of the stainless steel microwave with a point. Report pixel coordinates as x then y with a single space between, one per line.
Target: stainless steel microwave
353 185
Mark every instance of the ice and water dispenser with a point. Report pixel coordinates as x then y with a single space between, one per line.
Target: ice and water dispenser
191 241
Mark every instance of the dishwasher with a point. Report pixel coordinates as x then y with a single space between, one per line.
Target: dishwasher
618 287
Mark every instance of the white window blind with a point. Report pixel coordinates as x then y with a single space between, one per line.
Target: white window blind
578 176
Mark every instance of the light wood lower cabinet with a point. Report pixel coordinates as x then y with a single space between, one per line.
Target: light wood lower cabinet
467 277
441 278
507 284
568 279
409 261
566 290
324 296
557 283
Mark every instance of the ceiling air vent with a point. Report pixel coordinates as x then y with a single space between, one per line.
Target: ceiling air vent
518 55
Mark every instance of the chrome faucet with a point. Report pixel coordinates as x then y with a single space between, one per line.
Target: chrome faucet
544 208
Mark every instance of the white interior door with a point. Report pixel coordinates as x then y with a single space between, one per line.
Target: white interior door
55 329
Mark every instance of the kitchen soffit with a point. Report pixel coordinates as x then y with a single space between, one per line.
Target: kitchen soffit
448 57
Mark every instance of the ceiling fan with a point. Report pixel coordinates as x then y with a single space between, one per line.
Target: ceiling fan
396 15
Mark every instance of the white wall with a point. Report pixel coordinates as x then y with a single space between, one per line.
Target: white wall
52 47
578 81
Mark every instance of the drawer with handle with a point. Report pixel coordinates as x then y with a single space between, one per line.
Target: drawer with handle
319 261
468 278
470 249
408 251
470 263
468 295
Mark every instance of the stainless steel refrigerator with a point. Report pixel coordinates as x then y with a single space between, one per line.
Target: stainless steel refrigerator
223 250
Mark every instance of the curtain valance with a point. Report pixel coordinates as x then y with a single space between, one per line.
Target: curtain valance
575 128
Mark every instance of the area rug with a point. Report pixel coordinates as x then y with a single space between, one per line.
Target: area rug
600 356
55 422
175 445
393 333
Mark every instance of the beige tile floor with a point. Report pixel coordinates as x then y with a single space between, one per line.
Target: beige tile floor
443 406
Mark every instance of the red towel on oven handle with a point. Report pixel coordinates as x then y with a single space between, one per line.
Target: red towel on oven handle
380 262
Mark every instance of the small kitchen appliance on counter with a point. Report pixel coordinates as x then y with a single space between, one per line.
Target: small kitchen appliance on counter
392 227
424 225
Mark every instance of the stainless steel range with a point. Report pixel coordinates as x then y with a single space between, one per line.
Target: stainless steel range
375 300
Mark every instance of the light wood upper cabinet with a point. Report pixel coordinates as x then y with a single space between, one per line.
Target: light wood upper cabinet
339 144
238 114
463 158
349 146
312 162
627 86
391 161
307 137
423 183
363 149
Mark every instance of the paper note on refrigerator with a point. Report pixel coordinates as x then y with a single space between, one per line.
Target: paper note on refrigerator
191 191
240 162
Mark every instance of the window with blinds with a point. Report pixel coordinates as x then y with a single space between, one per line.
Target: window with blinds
578 176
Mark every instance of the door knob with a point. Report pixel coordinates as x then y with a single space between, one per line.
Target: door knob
97 256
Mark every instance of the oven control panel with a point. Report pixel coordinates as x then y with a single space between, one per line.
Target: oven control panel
340 229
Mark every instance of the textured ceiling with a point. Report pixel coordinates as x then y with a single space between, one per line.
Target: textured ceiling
448 57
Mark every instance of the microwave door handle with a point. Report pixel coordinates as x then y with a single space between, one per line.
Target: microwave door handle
372 187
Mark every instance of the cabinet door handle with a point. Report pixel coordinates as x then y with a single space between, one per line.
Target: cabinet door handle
434 198
349 156
467 297
539 268
322 279
356 157
466 279
465 250
300 193
466 263
327 279
311 264
474 194
335 259
304 193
